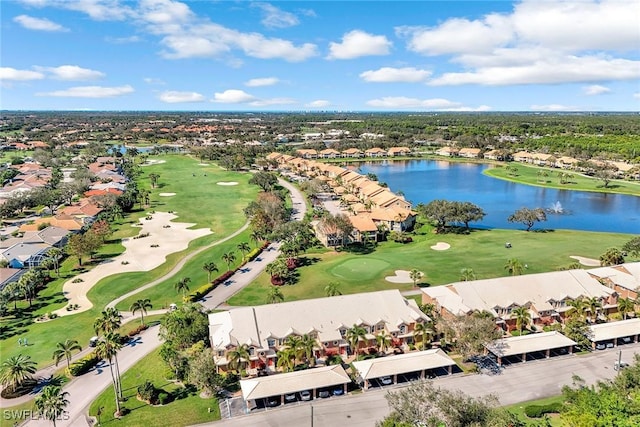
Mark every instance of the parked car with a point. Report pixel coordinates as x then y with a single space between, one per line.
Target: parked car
338 391
93 341
324 394
290 397
273 401
620 365
305 395
609 345
600 346
386 380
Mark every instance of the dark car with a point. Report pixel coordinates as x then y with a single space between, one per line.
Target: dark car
324 394
273 401
338 391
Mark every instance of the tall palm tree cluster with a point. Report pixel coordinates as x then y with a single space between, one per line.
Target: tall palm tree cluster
108 346
297 350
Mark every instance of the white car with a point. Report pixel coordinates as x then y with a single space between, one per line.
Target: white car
386 380
305 395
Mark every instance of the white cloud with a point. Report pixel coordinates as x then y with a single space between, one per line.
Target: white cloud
636 95
71 73
123 40
358 43
549 70
405 102
263 81
389 75
554 107
90 92
153 81
320 103
99 10
8 73
192 47
595 90
162 12
274 17
38 24
233 96
272 101
458 36
172 97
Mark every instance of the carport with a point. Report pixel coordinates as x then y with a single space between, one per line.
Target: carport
615 332
542 343
392 366
292 382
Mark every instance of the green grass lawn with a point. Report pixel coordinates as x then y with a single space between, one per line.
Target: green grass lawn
198 200
190 408
518 410
528 174
482 250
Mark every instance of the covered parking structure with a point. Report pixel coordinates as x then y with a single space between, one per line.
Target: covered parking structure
613 334
278 385
392 366
532 345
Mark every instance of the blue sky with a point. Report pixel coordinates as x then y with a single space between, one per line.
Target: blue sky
532 55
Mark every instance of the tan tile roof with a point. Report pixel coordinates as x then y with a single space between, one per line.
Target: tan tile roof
363 223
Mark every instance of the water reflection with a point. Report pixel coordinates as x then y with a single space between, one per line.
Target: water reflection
426 180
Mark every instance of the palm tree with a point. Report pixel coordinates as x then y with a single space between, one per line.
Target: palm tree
354 335
594 305
109 321
256 237
229 258
238 357
182 285
625 305
514 266
467 274
244 248
55 254
286 359
16 370
307 345
415 275
331 290
141 305
577 308
107 349
383 341
64 350
294 342
154 179
277 269
423 332
209 267
274 295
28 284
51 402
522 316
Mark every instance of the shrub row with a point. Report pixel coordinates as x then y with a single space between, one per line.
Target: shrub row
537 411
82 366
137 330
206 288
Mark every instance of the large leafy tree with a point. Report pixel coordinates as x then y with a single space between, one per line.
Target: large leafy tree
203 372
466 212
16 370
64 350
265 180
612 256
438 211
528 217
185 326
51 403
632 247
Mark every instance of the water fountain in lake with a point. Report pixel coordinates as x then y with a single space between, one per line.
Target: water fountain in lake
556 208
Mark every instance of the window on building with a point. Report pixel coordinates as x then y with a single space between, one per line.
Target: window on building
271 342
403 329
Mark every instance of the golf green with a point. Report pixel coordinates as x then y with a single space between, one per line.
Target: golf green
359 269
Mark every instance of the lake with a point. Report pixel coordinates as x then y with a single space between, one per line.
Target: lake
425 180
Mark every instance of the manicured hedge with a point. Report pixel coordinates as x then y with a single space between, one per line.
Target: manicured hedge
137 330
82 366
537 411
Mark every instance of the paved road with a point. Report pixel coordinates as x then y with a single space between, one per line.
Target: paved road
83 390
518 383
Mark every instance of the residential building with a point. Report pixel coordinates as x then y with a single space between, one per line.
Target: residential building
265 328
447 151
470 153
546 295
398 151
624 278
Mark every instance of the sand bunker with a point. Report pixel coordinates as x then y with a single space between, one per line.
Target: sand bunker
589 262
203 164
227 183
441 246
150 162
166 194
402 276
